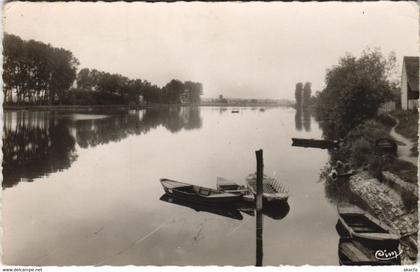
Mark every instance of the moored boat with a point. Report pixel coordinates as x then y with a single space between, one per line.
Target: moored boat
361 226
198 193
232 187
231 212
317 143
273 190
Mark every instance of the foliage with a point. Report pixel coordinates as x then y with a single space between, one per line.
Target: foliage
359 147
194 91
307 94
361 151
37 73
355 89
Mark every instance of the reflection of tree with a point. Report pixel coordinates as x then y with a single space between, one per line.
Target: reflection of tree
101 131
298 120
222 110
194 121
120 125
33 147
307 120
173 119
39 143
303 119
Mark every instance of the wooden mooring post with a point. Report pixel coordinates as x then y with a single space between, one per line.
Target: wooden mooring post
259 206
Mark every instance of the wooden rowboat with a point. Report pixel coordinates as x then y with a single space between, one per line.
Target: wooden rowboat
197 193
273 190
231 212
361 226
232 187
316 143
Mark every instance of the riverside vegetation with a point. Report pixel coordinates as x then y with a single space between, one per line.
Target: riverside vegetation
35 73
348 109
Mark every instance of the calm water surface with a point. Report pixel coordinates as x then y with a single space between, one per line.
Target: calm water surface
83 188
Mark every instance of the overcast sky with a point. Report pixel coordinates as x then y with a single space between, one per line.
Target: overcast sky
252 50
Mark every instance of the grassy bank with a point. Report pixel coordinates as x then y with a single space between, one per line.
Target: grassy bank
359 147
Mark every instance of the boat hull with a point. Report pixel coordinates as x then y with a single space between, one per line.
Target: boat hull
315 143
378 243
360 226
231 212
215 198
352 252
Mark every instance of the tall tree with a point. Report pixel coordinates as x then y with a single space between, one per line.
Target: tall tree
85 79
194 91
34 70
62 66
173 91
355 89
306 94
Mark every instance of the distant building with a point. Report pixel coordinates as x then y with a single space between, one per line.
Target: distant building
410 83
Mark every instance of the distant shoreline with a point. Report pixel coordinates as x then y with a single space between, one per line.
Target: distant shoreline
145 106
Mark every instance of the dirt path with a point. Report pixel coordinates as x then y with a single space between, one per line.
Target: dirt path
404 152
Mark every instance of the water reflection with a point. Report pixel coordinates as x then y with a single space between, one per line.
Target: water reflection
303 120
307 120
37 143
233 213
298 120
275 210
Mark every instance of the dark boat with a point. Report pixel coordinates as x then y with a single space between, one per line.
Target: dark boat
273 190
200 207
386 146
351 252
235 111
316 143
197 193
276 210
362 227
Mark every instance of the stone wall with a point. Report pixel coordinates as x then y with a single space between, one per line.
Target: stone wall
386 204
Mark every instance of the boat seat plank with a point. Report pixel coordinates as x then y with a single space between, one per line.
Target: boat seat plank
354 253
362 229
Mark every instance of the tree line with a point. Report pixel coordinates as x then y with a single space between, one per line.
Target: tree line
38 73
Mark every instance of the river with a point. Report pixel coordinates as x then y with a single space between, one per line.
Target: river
83 188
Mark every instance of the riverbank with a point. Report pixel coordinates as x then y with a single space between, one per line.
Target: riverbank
387 186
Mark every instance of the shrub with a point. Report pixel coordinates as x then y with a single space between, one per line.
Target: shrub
361 152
